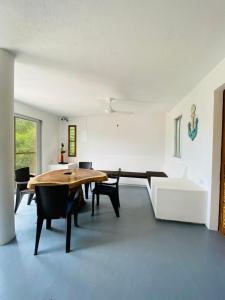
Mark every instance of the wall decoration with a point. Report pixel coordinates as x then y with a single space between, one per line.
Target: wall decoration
72 140
62 152
193 125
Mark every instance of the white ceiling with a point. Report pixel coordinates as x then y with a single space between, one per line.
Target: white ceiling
71 53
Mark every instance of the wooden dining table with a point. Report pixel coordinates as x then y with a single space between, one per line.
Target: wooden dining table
71 177
74 178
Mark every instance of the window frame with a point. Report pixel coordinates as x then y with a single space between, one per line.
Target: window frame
70 142
39 140
177 136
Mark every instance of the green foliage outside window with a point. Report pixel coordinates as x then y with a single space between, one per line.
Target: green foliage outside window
25 143
72 136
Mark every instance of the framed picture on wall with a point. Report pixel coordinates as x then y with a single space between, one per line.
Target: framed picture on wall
72 140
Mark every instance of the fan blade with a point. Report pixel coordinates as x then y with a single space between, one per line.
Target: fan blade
132 101
123 112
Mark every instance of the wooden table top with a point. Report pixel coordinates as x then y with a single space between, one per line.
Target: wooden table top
74 179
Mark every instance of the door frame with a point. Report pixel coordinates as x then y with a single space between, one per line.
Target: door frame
222 174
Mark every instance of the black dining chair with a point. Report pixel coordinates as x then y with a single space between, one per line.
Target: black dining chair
22 176
110 189
55 202
86 165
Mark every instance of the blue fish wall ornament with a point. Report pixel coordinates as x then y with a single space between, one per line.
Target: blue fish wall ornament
193 125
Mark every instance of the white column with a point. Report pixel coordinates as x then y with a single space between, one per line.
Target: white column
7 226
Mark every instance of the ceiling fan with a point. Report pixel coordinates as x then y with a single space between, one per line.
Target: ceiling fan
110 110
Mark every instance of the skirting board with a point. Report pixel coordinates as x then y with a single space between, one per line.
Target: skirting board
134 181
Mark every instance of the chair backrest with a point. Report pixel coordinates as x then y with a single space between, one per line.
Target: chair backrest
118 176
52 201
22 174
85 164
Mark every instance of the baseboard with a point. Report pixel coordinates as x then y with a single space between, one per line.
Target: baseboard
134 181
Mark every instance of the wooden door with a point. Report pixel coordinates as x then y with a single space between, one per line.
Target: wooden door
222 176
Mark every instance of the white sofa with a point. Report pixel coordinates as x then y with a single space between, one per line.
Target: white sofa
178 199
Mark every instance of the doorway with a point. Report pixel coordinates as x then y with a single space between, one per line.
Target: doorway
27 149
222 175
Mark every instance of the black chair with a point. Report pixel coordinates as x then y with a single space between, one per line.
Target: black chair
55 202
86 165
22 176
110 189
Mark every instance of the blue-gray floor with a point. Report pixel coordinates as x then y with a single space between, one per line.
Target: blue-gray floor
133 257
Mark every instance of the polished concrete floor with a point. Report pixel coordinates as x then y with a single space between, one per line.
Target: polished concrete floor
133 257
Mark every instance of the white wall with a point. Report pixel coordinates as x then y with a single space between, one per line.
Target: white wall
202 156
136 144
50 132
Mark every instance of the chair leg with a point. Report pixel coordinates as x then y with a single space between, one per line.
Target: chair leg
98 196
38 234
76 219
75 214
115 205
30 197
48 224
118 199
18 200
86 187
68 233
93 204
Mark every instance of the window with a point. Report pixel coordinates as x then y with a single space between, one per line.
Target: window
177 144
72 137
27 143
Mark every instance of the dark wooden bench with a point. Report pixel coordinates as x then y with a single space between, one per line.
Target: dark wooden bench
147 174
125 174
151 174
